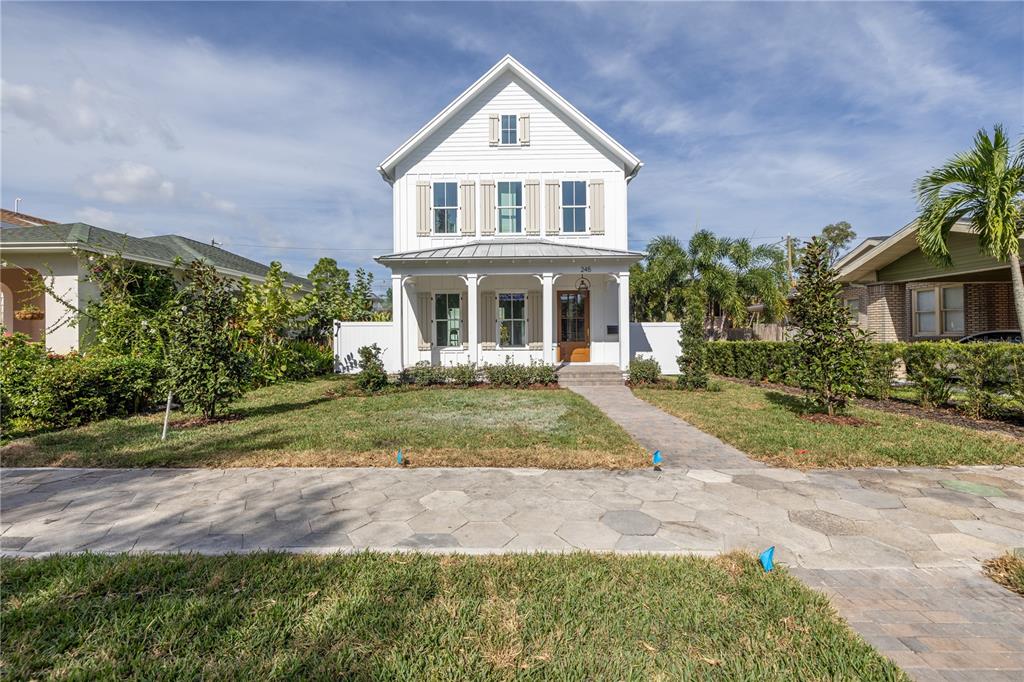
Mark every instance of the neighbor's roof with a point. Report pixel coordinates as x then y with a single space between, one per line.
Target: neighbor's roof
164 250
877 252
509 249
15 219
508 64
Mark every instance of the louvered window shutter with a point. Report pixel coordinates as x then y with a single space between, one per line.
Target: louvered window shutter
535 319
424 319
463 314
553 198
524 129
532 208
423 221
596 206
487 210
494 130
488 319
467 205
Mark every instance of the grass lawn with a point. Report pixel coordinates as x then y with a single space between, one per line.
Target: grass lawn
766 424
405 617
326 422
1008 571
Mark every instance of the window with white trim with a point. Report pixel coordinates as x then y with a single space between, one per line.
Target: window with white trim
448 320
510 207
511 320
939 311
574 206
446 207
509 129
853 308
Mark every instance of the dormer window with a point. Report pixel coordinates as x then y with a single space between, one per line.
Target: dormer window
509 129
446 207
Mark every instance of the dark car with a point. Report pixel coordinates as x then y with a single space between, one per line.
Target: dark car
995 336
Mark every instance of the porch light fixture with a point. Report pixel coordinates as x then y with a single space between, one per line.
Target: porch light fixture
583 286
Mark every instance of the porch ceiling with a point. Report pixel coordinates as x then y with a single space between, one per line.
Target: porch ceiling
509 249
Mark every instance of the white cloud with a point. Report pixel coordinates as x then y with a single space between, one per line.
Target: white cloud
127 182
96 216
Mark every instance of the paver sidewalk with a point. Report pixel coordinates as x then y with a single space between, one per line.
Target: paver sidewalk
928 528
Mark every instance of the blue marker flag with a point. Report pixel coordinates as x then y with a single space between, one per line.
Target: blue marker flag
657 457
400 460
768 558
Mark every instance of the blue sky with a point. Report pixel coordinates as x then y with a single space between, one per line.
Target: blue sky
260 125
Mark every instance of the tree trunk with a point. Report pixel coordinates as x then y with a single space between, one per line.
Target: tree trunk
1018 289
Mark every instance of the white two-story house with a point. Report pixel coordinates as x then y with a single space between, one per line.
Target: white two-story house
510 231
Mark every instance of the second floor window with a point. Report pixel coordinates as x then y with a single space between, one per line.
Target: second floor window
510 207
446 207
509 129
574 206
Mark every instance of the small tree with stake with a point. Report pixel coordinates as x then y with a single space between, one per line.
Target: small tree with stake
206 365
832 353
693 369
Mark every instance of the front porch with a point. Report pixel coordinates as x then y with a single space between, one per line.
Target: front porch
489 318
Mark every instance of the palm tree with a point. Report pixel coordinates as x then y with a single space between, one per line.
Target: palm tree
984 188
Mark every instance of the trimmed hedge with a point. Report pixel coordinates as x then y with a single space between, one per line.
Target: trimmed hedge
983 376
644 371
506 374
43 391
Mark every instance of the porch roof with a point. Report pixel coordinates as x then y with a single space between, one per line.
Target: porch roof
506 249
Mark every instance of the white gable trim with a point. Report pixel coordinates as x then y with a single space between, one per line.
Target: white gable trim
631 164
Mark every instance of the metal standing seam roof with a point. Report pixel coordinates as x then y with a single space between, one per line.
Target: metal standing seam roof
163 250
509 249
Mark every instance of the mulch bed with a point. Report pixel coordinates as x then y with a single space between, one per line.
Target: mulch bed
945 415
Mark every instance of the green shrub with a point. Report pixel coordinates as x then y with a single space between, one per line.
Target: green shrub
463 375
21 360
424 374
371 377
644 371
880 371
692 360
932 368
309 359
512 375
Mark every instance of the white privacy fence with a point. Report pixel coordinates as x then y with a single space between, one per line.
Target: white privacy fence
658 340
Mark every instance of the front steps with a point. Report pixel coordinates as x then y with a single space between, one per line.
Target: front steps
571 375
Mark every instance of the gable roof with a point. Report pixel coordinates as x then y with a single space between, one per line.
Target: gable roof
509 249
16 219
163 251
508 64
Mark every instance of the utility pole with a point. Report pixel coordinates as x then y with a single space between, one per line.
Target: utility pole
789 258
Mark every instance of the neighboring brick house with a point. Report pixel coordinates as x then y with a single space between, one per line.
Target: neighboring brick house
894 291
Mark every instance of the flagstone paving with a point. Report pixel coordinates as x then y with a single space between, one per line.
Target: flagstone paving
919 533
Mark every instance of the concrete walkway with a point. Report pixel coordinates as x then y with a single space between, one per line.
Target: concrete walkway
888 544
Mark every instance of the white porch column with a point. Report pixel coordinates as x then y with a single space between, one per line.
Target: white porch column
472 317
624 321
397 308
547 285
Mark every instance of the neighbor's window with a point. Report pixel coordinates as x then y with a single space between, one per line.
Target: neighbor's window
853 308
574 206
509 132
924 311
511 320
939 310
510 207
952 310
446 207
448 319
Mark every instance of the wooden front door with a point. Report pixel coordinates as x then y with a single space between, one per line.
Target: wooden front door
573 326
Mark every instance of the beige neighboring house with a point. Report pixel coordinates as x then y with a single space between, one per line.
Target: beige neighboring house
32 247
894 291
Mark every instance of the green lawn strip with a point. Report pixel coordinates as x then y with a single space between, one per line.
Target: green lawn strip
1008 571
326 422
766 424
411 616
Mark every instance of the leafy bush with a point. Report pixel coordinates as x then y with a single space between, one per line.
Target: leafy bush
692 361
832 354
371 377
932 368
424 374
880 370
77 389
644 371
773 361
21 360
512 375
982 369
463 375
207 366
